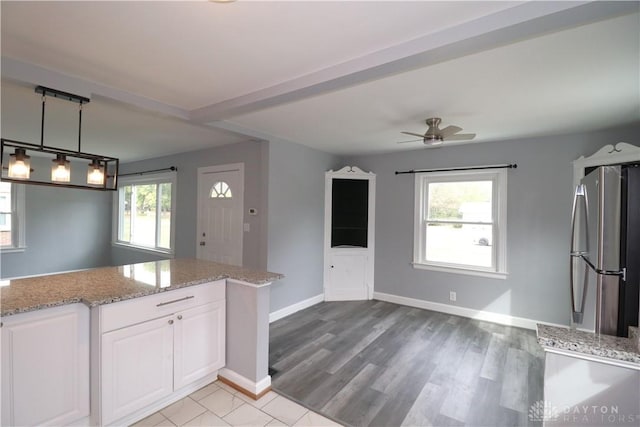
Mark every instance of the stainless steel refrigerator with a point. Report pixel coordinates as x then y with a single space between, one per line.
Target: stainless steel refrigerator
605 251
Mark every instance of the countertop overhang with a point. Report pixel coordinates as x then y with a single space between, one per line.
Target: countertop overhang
607 347
106 285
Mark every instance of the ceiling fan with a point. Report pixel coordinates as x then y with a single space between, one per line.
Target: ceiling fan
436 136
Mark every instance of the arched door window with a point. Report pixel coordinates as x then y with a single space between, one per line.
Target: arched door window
221 190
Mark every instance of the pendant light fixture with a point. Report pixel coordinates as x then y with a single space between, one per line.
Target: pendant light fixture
95 174
102 171
61 169
19 164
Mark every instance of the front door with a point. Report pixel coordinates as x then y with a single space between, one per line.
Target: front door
220 213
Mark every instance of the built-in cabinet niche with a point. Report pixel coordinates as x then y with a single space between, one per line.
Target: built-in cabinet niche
349 234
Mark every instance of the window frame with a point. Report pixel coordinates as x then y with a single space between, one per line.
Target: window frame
499 215
155 179
18 214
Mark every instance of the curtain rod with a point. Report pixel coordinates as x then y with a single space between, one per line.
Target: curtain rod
469 168
171 168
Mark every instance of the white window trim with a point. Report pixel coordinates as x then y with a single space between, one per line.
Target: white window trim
18 214
157 178
500 223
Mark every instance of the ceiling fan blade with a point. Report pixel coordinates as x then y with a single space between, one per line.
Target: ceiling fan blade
419 135
412 140
460 137
449 130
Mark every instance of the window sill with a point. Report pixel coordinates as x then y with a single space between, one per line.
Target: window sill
11 250
465 271
167 254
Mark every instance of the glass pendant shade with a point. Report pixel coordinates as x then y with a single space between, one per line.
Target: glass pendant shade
95 173
61 169
19 164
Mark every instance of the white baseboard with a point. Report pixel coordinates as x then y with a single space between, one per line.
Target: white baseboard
503 319
284 312
252 387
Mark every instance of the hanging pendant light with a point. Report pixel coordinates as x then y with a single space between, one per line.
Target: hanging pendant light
95 173
61 169
102 173
19 164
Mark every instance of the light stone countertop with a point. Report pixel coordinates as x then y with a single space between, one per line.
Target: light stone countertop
588 343
105 285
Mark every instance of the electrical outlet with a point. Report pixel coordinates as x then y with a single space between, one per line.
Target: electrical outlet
452 296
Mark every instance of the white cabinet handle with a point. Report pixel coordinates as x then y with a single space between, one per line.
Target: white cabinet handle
179 316
171 321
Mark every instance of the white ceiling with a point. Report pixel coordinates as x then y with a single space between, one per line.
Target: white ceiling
343 77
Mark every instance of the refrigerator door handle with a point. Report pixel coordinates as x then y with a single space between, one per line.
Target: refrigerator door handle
580 197
622 273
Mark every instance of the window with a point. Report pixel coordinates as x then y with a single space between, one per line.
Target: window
144 212
12 217
460 222
221 190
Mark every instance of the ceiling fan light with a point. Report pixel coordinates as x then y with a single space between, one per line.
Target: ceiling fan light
61 169
95 173
19 164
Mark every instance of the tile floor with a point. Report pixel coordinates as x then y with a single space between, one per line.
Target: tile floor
217 404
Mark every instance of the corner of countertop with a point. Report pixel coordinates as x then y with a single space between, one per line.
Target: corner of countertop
588 343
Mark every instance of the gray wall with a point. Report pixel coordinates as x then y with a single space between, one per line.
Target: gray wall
253 155
539 209
65 229
296 220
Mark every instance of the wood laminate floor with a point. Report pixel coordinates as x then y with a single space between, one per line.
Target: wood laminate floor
381 364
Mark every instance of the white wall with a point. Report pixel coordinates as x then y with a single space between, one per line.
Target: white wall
296 220
539 209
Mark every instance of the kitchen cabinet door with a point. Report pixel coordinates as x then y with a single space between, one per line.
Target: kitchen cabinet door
137 367
45 366
348 272
199 342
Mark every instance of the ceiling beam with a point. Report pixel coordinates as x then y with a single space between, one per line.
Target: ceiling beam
521 22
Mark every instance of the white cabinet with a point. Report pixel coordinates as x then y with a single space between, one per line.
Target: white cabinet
152 347
199 336
45 366
348 274
349 234
137 367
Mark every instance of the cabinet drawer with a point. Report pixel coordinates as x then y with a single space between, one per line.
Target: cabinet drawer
120 314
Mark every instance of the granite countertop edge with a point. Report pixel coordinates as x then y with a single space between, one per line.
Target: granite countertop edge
580 342
264 278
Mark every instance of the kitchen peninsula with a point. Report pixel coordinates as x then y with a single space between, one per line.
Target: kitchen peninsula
135 338
590 379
